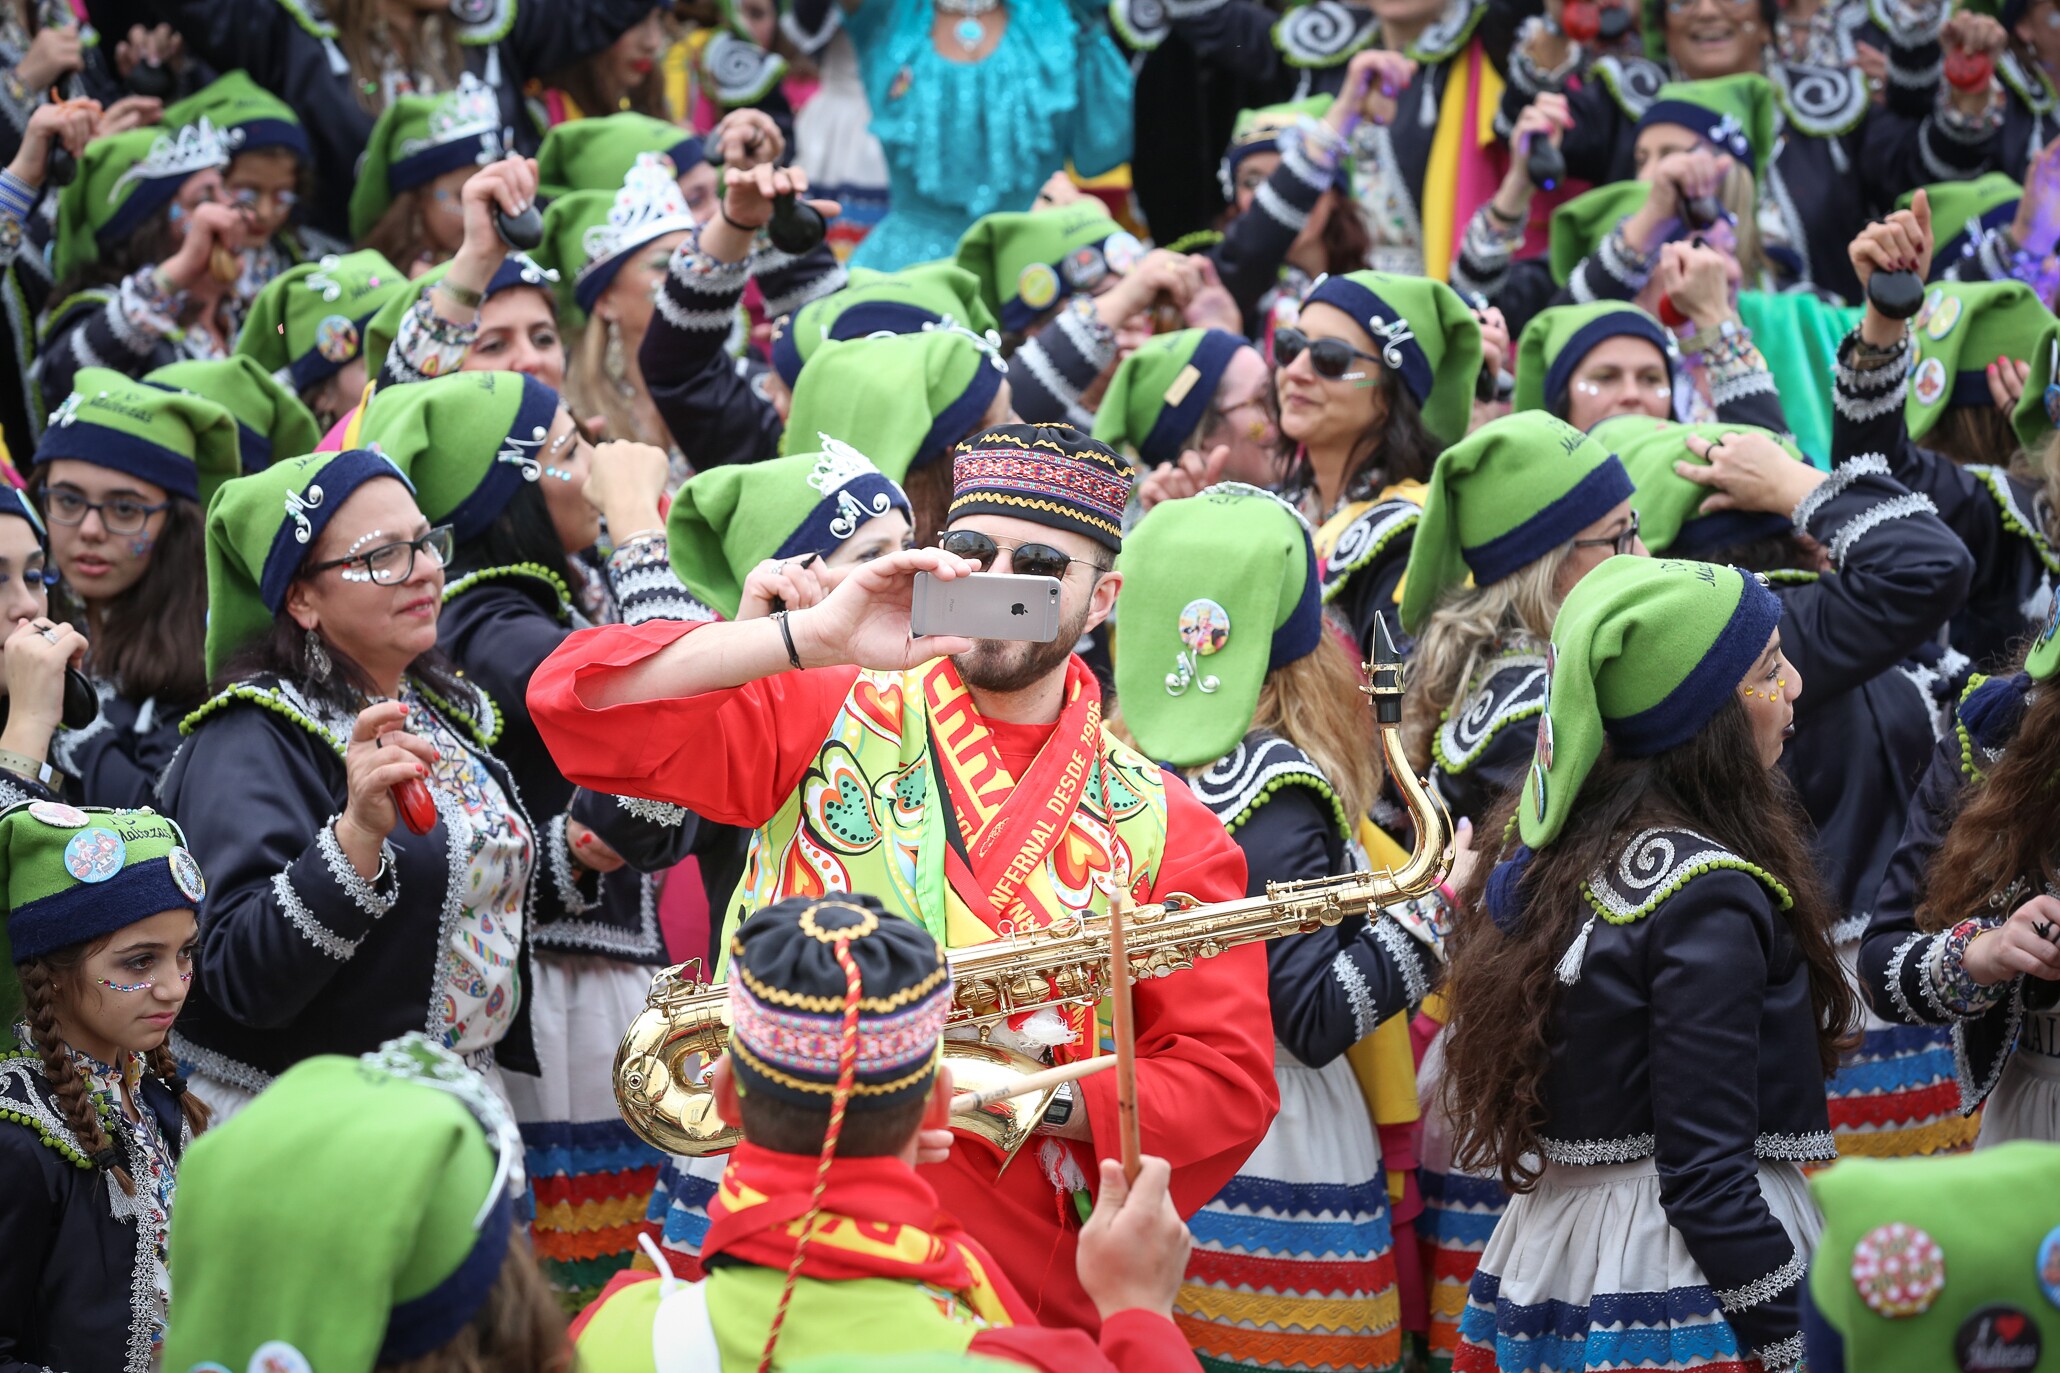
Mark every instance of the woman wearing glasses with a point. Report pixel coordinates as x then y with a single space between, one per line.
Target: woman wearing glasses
1374 379
123 474
329 925
497 458
1866 574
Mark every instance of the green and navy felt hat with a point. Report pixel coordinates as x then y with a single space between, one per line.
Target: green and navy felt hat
309 321
420 137
122 181
468 441
1500 499
1048 474
259 531
1733 114
1218 591
595 154
250 118
1669 506
1159 393
588 235
186 444
269 418
790 1001
727 520
410 1125
73 873
1644 652
2038 409
1961 209
1027 261
924 298
517 271
1556 340
1260 130
1579 226
1421 329
1962 327
902 401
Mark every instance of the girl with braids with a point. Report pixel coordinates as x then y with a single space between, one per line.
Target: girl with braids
1646 997
94 1116
1964 932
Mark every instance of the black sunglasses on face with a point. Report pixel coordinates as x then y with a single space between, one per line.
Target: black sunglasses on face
1027 559
1331 357
1620 542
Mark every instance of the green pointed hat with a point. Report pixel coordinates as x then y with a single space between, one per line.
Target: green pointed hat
1027 261
408 1126
901 401
269 418
595 154
468 441
259 531
1962 327
1503 497
2038 409
249 117
588 235
1556 340
1669 506
420 137
1159 393
1644 652
517 270
1957 206
1922 1257
926 297
186 444
1218 591
74 874
1579 226
310 320
1734 114
1259 130
1422 329
727 520
122 181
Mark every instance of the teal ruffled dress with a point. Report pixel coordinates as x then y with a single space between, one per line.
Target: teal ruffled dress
964 139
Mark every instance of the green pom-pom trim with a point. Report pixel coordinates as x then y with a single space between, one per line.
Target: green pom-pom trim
1791 576
1295 779
2006 506
55 317
63 1145
487 732
1968 769
1195 242
252 694
538 571
1682 879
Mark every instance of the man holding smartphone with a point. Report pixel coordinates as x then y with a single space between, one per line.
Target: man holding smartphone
970 786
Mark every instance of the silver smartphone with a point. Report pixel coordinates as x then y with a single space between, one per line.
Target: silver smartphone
986 605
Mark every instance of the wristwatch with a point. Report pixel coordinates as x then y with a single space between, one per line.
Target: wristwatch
1059 1111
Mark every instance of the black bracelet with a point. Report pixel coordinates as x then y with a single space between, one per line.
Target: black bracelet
724 211
793 654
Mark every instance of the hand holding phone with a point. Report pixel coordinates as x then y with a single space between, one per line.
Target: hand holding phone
986 605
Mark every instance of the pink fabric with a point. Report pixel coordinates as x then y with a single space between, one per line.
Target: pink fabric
332 442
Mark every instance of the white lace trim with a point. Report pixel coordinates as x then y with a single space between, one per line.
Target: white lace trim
683 608
368 897
1593 1153
652 812
1812 1146
220 1067
1278 210
694 321
1783 1354
1401 950
1757 382
301 918
1764 1289
815 288
558 845
1357 994
1097 347
1859 526
1841 476
1851 928
1645 871
1896 994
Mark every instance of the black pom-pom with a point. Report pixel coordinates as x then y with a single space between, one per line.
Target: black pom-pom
107 1160
176 1085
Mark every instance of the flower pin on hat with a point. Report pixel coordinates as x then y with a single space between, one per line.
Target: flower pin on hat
1898 1270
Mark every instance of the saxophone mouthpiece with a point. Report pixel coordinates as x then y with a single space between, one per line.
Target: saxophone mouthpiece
1385 675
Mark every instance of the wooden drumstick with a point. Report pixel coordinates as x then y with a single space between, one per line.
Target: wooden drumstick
1125 1033
966 1102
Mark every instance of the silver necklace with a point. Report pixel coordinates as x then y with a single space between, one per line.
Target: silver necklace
969 31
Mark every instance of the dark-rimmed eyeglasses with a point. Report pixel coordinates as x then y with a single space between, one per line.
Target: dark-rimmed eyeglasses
120 515
1028 559
1331 357
390 564
1620 542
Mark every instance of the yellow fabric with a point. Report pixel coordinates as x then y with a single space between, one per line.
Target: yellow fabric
1384 1061
1437 1008
1950 1135
1440 191
1315 1315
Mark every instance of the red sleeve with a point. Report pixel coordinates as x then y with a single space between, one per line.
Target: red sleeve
1131 1342
731 756
1205 1085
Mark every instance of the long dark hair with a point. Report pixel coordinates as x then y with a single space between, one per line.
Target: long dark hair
1503 987
521 533
1395 447
150 243
151 640
283 653
1347 238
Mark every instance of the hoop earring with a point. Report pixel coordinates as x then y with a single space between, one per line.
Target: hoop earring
319 666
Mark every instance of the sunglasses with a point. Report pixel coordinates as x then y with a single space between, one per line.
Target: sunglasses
1620 542
1026 559
1331 357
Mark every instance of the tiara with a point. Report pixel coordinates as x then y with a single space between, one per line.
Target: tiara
648 206
194 148
470 111
838 464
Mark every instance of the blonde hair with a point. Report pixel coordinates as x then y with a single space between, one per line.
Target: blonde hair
590 391
433 53
1463 630
1740 195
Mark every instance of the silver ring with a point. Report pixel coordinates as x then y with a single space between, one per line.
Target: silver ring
49 632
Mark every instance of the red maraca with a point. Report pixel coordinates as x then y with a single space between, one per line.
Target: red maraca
1969 71
417 807
1670 313
1580 20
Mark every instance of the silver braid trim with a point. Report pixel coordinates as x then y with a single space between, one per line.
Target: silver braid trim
1764 1289
301 918
1857 528
1842 476
366 894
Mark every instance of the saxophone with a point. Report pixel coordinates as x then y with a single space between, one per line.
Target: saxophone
660 1068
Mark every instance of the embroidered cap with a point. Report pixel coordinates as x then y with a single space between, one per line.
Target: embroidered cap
1218 591
75 873
595 154
794 969
309 321
269 418
124 179
1669 506
420 137
728 519
1421 329
1500 499
468 441
1556 341
260 529
406 1163
1158 394
927 298
1048 474
902 401
186 444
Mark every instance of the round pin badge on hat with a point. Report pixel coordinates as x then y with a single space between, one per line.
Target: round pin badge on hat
186 875
1997 1339
1898 1270
1204 626
94 855
1943 318
1084 268
1545 741
336 338
1037 285
277 1356
65 817
1930 381
2049 1265
1121 251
